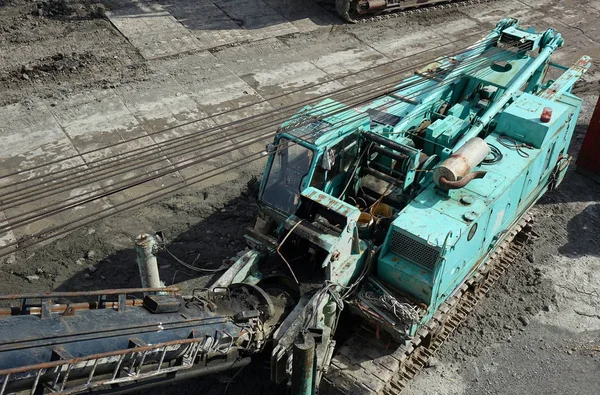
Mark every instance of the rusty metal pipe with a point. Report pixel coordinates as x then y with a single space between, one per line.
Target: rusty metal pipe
372 5
444 183
460 164
60 308
121 291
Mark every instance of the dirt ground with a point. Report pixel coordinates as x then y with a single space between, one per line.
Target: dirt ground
52 47
537 332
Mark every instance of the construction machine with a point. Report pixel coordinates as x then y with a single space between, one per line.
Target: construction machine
365 10
394 215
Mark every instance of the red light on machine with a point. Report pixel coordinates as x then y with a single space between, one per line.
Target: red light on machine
546 115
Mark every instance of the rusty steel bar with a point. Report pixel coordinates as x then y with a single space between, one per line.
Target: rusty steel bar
91 376
65 377
4 384
35 384
60 308
141 364
162 358
116 371
46 295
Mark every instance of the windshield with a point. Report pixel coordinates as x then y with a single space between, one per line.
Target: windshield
290 165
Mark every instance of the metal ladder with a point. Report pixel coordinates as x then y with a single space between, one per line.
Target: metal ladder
53 377
130 364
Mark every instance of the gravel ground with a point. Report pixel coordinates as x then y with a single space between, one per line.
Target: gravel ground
537 332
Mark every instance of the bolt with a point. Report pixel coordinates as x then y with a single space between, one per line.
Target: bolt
466 200
470 216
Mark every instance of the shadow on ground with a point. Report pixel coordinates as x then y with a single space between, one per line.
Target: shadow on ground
583 231
229 14
207 245
583 228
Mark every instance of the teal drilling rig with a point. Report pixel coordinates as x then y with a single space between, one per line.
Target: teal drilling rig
397 213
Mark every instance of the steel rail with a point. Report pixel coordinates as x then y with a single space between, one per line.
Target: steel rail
435 87
182 141
47 212
51 295
309 87
188 150
120 207
34 193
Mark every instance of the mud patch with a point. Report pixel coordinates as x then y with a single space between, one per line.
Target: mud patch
587 87
57 46
203 226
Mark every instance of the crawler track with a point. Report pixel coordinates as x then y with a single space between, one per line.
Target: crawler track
364 365
343 10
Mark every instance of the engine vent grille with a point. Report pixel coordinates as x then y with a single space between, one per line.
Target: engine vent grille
414 251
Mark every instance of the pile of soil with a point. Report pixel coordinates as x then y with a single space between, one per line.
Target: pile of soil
52 8
54 47
55 65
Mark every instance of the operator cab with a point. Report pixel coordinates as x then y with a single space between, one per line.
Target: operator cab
309 151
290 164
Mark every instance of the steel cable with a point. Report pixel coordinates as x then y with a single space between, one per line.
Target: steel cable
33 218
35 192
